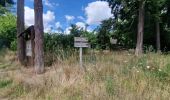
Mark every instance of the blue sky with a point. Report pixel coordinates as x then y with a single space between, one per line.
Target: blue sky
61 13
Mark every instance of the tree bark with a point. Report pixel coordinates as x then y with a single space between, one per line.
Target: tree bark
158 45
20 28
39 37
139 44
168 13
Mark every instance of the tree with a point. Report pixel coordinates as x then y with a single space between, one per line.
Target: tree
168 12
20 29
5 5
39 37
158 44
155 15
158 5
7 30
139 44
103 35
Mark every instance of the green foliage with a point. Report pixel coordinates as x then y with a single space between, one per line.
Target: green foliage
5 83
19 90
110 88
126 19
3 10
60 46
57 46
103 35
7 30
5 6
13 45
89 77
5 3
163 74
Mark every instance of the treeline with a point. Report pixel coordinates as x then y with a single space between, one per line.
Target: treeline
141 23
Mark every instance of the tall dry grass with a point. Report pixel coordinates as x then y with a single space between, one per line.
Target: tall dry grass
108 76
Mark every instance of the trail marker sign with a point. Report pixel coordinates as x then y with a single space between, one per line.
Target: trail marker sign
81 42
113 41
28 48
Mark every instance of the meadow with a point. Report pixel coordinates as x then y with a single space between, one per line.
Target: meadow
117 75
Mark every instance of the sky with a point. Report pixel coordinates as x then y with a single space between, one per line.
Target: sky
61 13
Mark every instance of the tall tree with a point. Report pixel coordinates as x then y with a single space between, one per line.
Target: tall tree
158 44
157 20
5 6
155 8
168 12
20 28
39 37
139 44
4 3
104 34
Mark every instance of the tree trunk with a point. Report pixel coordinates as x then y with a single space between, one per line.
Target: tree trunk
168 13
20 28
158 45
39 37
139 44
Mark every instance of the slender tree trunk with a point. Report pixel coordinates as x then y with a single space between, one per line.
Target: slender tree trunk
20 28
39 37
139 44
168 13
158 45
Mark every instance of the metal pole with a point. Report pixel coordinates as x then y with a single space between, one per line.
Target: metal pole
81 61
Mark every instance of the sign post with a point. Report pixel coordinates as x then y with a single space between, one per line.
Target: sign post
81 56
81 42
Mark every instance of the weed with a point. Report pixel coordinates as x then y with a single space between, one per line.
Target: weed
110 88
18 90
5 83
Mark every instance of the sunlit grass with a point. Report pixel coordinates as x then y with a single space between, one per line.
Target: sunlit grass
108 76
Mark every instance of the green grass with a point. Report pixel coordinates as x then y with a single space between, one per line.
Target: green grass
5 83
3 66
109 84
18 90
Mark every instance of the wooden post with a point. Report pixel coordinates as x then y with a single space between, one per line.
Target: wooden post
81 59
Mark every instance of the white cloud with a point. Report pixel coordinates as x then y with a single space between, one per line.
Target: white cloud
67 30
29 16
97 11
81 25
50 4
81 18
48 29
48 18
58 25
69 18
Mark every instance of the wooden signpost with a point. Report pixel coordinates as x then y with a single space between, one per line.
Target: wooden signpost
81 42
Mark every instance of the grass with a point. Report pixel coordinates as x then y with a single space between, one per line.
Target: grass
108 76
5 83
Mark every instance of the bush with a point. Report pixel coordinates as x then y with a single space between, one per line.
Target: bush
7 30
13 45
